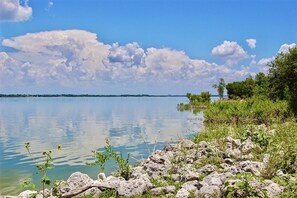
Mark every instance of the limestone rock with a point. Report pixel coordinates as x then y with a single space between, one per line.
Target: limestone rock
27 193
192 186
163 190
209 192
182 193
248 145
207 169
251 166
273 189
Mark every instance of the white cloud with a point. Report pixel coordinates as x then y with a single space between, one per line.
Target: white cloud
66 56
13 11
251 43
285 47
231 51
265 61
76 58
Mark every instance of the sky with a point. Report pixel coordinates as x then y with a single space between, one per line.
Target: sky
139 46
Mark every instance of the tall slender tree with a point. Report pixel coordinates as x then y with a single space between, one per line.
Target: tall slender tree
220 87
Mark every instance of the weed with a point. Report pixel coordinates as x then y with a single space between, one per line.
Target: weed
243 188
44 166
109 153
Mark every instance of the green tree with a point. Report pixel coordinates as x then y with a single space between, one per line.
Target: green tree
241 89
261 85
283 78
220 88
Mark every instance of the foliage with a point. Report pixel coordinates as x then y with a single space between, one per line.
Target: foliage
213 133
243 188
261 87
290 184
44 166
242 89
257 134
256 110
214 160
27 183
282 146
220 88
282 77
102 157
166 181
196 102
203 97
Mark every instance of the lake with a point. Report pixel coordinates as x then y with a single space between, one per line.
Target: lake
135 125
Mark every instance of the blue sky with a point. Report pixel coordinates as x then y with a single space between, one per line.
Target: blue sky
131 46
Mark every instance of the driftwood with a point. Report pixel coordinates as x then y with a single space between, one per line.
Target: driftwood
85 188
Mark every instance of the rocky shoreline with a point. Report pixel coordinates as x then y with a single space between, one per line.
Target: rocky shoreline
185 169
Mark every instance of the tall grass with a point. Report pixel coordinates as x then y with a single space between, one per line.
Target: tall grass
250 111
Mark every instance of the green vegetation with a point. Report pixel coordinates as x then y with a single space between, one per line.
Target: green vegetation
242 89
197 102
283 78
256 110
242 187
102 157
220 88
42 167
279 84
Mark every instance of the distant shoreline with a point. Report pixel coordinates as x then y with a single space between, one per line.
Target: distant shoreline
83 95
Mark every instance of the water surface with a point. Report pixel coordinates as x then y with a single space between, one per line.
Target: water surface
133 125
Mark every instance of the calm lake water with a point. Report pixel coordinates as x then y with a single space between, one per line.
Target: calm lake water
133 125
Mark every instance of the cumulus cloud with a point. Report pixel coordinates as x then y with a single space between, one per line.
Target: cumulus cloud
72 58
285 47
251 43
67 56
231 51
14 11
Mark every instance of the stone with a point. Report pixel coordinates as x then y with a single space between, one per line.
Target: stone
215 179
251 166
27 194
191 186
171 147
273 189
209 191
163 190
187 144
134 186
202 144
188 173
47 193
229 168
248 145
94 192
280 173
247 157
207 169
232 153
182 193
229 161
101 176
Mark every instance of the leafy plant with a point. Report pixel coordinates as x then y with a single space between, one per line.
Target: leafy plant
109 153
243 188
44 166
